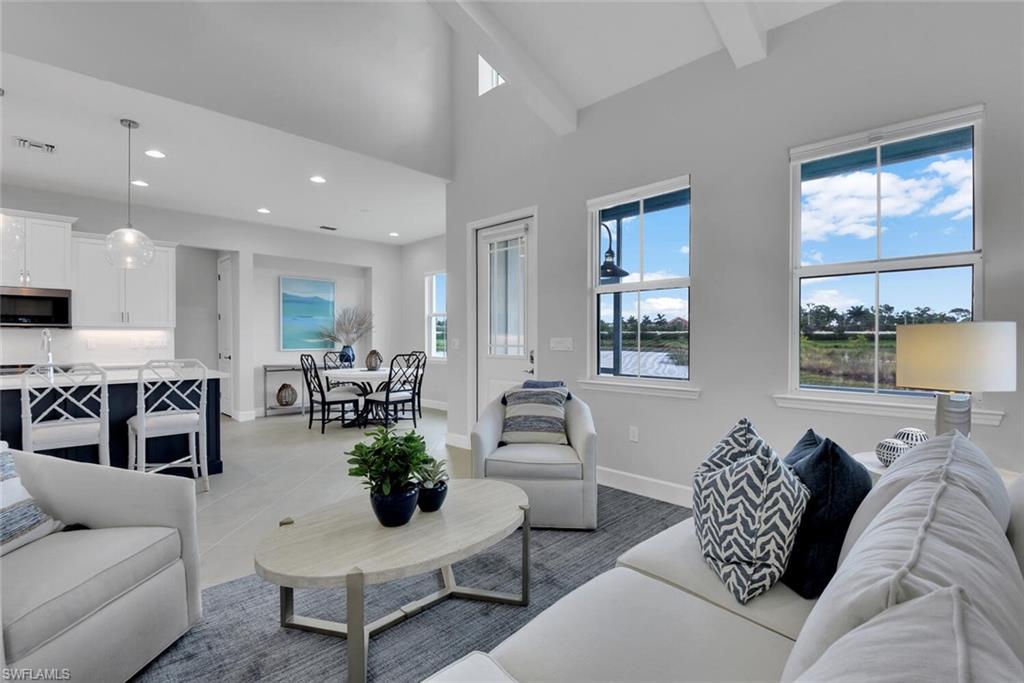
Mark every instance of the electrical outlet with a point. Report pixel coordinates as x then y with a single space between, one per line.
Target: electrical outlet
634 433
90 343
560 343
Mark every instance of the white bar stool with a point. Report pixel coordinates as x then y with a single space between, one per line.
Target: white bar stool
171 401
65 407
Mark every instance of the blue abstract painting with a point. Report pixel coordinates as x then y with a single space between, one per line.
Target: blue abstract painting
307 307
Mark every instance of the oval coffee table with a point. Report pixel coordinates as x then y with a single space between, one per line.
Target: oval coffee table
344 545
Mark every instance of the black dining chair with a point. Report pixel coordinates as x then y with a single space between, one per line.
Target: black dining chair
399 392
418 394
334 360
327 400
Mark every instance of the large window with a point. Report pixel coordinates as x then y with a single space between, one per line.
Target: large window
437 318
488 77
641 282
886 234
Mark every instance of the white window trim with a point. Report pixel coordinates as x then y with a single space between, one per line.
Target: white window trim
646 386
836 400
430 314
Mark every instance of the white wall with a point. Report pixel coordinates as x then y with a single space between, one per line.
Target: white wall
845 69
195 330
349 290
245 240
418 259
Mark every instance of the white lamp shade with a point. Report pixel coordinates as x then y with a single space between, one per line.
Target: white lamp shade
971 357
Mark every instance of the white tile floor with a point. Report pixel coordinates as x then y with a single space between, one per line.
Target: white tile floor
275 468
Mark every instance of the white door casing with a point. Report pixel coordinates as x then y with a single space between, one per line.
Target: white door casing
225 331
506 330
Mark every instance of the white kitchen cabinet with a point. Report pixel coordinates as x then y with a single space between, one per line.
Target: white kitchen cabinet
97 294
149 292
105 296
36 250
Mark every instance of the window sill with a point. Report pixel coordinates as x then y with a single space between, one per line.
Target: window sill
913 408
643 388
437 361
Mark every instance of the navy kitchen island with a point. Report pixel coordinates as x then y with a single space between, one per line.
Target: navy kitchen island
122 395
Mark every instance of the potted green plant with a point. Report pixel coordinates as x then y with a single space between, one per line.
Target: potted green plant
388 464
433 485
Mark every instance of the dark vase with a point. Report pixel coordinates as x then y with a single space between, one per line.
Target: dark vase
347 355
286 395
432 499
396 509
374 360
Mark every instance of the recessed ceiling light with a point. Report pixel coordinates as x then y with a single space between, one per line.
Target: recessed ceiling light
392 234
140 183
155 153
317 179
262 210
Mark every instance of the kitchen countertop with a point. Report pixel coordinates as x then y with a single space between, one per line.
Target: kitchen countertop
116 374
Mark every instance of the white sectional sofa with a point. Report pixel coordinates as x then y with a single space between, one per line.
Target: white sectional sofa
100 602
929 584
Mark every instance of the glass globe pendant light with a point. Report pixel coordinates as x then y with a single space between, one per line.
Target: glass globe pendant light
128 247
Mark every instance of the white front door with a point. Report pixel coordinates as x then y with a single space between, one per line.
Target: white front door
506 329
225 331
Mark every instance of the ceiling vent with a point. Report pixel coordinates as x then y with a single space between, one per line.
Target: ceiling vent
25 143
328 228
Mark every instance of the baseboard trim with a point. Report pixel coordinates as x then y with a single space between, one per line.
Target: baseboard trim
457 440
659 489
435 405
245 415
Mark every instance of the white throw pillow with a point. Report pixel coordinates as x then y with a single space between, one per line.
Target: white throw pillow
747 506
22 521
935 534
961 460
938 637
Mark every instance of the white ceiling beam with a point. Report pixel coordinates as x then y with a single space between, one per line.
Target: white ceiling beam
740 29
474 22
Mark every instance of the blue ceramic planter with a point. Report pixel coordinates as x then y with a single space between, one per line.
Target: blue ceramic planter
396 509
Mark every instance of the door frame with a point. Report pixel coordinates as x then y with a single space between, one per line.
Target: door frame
529 213
221 259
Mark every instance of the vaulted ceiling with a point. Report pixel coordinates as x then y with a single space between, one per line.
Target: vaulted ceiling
251 98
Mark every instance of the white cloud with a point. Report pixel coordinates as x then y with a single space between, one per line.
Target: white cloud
948 230
829 297
669 306
684 249
846 204
653 275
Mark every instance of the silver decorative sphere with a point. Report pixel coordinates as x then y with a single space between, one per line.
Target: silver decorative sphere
911 435
888 450
129 248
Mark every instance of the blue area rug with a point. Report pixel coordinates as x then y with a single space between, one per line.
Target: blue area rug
240 639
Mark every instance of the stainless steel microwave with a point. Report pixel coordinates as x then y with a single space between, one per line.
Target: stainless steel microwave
34 307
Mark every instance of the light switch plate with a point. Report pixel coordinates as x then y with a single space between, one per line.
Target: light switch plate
560 343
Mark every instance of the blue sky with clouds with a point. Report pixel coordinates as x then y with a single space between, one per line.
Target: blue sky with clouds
926 208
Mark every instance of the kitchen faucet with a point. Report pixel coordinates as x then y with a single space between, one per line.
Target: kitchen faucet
47 344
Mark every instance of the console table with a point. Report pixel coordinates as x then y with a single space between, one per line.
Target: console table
276 409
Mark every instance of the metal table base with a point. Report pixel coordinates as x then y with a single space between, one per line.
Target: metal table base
357 632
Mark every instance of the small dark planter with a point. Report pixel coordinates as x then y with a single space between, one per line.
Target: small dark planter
396 509
432 499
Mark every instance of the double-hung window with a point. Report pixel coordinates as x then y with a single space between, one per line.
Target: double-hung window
640 274
437 317
885 233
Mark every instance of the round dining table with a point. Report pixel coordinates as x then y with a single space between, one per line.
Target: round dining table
365 380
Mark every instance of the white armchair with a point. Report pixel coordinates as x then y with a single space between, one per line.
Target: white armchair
561 481
106 600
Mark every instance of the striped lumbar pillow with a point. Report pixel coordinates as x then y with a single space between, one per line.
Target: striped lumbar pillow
21 520
535 416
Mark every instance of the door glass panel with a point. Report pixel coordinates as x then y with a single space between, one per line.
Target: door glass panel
507 297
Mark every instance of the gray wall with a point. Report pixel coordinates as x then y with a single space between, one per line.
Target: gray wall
418 259
195 331
845 69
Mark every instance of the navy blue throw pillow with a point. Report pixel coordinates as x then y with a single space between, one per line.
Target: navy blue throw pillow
838 484
540 384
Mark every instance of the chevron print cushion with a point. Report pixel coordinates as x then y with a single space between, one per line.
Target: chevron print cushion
747 506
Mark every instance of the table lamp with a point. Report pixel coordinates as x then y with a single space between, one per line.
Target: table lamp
954 359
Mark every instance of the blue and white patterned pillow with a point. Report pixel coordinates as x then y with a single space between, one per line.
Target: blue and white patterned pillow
747 506
22 521
535 416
